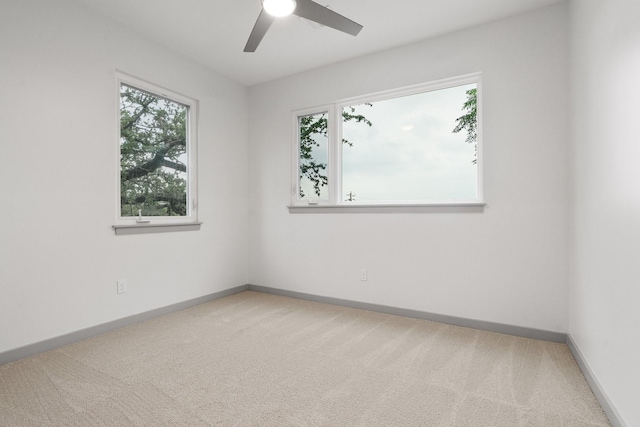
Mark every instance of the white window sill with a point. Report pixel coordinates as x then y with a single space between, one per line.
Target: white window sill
155 228
391 208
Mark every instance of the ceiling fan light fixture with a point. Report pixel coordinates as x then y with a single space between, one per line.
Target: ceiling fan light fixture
279 7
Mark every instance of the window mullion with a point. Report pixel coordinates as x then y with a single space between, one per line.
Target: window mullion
335 155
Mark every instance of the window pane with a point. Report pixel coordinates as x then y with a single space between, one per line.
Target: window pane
314 154
153 155
410 151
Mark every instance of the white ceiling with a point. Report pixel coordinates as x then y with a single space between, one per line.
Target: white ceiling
214 32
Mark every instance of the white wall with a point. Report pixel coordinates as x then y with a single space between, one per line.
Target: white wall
508 264
59 257
605 296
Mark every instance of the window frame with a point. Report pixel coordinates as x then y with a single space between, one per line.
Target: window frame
334 162
160 223
331 154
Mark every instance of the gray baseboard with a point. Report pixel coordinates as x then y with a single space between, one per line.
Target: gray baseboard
53 343
614 417
518 331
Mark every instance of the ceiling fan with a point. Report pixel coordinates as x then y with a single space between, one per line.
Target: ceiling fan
308 9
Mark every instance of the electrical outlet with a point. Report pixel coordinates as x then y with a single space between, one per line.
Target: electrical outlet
363 275
122 286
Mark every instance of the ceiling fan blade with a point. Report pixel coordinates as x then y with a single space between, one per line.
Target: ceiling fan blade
312 11
259 30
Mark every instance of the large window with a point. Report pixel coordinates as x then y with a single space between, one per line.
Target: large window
157 145
412 146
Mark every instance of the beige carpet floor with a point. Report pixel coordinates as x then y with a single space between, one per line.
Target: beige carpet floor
253 359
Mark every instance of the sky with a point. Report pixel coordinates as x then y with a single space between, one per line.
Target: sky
410 153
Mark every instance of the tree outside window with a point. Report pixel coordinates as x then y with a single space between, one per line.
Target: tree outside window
154 154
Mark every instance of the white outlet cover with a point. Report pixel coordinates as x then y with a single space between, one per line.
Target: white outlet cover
122 286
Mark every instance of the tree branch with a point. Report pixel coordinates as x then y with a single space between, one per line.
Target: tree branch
157 161
174 165
133 119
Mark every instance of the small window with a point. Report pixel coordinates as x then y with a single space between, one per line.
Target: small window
157 146
412 146
313 158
